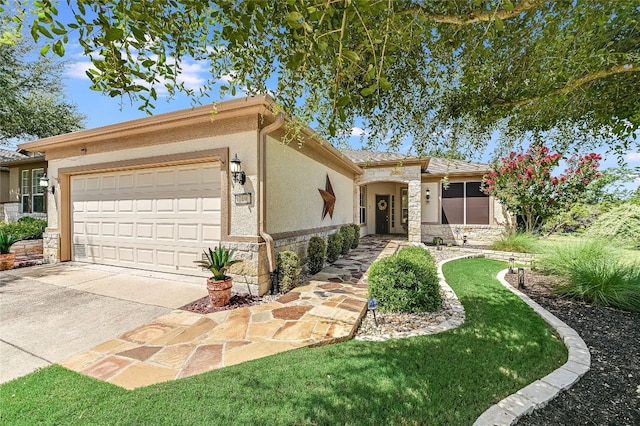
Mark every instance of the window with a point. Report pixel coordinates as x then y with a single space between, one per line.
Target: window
464 203
32 195
363 204
405 205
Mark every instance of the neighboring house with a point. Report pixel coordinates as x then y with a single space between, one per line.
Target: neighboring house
20 190
153 193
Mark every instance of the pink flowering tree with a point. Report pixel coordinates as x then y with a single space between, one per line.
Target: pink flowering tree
524 185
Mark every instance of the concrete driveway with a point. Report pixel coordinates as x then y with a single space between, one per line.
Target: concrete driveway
51 312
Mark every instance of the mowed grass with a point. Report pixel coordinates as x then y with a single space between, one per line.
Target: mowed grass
444 379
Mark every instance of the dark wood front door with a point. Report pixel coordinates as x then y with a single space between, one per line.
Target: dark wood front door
382 214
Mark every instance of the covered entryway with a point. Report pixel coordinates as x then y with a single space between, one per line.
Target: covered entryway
158 218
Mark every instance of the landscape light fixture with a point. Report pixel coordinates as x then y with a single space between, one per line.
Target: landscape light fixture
464 240
44 183
235 166
512 262
520 277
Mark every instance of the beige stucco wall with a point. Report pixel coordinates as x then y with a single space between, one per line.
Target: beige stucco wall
14 185
431 210
293 202
243 219
4 186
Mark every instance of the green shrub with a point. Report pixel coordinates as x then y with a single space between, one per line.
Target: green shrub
27 228
519 242
347 238
356 235
316 254
592 272
407 282
288 270
621 224
334 246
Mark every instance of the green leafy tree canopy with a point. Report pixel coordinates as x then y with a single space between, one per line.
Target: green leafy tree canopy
566 70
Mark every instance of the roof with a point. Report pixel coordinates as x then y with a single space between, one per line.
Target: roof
8 155
432 165
365 158
442 166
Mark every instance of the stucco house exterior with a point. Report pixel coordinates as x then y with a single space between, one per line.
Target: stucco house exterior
153 193
20 190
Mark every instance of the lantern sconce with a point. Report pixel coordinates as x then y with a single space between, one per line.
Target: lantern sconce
512 262
235 166
44 183
427 195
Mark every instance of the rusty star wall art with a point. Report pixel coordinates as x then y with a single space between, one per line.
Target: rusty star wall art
329 198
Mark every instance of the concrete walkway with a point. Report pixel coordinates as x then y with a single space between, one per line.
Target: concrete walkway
180 344
51 312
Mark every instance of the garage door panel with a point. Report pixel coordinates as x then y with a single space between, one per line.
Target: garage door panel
159 219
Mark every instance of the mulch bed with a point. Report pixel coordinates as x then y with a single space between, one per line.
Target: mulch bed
203 306
609 394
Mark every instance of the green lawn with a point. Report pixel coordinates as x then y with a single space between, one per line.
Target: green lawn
445 379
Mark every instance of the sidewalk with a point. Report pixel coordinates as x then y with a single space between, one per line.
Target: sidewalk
327 309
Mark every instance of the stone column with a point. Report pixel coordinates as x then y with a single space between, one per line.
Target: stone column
415 211
50 245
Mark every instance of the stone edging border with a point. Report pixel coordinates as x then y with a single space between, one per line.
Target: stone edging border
539 393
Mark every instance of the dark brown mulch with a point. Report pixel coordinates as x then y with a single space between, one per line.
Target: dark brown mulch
609 394
203 306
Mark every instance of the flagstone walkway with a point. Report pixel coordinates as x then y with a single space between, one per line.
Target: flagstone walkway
327 309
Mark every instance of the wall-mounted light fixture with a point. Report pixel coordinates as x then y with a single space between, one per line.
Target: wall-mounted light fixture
427 195
235 166
44 183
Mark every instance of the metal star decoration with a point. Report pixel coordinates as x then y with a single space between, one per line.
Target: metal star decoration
329 199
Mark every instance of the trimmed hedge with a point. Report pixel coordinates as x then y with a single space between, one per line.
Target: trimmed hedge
347 238
334 246
26 228
288 269
316 254
406 282
356 235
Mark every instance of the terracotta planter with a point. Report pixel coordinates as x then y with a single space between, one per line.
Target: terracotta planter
7 261
219 290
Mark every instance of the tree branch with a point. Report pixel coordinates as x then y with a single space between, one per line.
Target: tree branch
479 16
579 82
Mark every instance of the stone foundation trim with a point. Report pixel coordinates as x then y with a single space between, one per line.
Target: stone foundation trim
539 393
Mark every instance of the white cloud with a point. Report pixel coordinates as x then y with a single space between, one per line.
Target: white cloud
79 69
633 156
357 131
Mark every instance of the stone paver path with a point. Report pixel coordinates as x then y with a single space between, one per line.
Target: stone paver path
327 309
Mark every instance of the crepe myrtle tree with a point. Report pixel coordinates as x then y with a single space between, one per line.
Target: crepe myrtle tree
523 183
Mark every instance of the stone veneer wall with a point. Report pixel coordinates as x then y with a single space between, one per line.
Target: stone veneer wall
50 245
453 234
298 244
252 274
523 258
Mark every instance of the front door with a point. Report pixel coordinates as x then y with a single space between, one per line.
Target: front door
382 214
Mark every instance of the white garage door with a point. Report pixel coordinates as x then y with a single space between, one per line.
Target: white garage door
158 218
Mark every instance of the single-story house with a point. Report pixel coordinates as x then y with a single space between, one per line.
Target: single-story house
20 190
153 193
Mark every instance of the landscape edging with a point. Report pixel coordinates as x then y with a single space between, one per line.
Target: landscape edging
539 393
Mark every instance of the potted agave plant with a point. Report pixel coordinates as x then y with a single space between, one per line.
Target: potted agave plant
7 259
218 261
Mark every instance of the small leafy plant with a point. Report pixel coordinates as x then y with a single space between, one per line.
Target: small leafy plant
218 261
356 235
6 241
406 282
289 270
316 254
347 238
334 246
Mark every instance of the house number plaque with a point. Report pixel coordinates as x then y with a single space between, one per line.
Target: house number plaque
243 198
